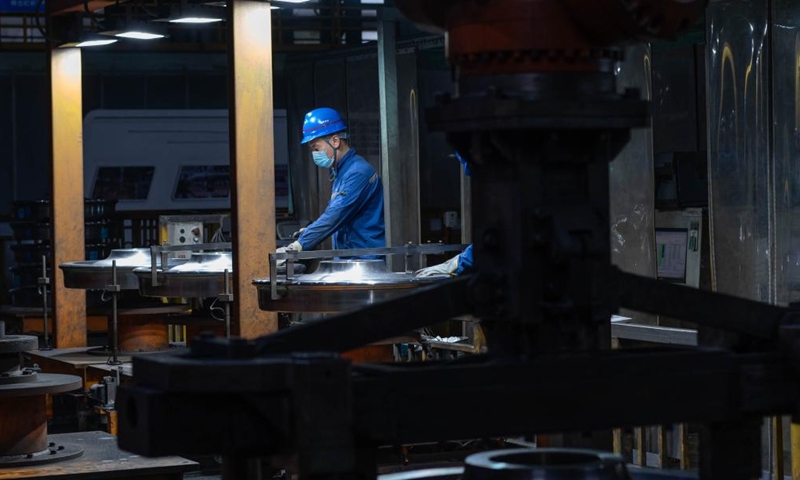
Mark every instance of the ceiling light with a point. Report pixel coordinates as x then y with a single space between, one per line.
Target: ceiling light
93 43
194 20
290 1
137 35
225 4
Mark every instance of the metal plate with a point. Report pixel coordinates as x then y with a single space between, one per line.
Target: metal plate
328 299
352 272
46 383
96 275
56 452
338 286
18 343
103 459
203 276
740 175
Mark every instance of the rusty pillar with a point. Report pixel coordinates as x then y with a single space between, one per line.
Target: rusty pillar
252 158
142 333
23 423
67 223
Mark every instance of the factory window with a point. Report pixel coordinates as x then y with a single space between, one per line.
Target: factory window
203 181
123 183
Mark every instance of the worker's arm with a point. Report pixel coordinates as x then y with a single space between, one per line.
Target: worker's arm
344 204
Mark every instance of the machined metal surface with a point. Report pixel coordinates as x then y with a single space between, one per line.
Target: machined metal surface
338 286
55 452
102 459
17 343
96 275
46 383
544 464
202 276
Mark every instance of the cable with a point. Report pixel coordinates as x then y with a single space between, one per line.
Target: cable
212 308
38 22
91 15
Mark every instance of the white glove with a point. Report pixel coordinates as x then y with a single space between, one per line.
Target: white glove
447 268
292 247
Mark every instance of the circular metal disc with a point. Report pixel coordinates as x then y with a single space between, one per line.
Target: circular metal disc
18 343
545 464
54 453
46 383
22 376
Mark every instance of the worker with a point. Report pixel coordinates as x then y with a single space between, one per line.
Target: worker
461 263
354 215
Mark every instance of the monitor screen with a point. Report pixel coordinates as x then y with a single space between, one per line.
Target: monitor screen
123 183
671 244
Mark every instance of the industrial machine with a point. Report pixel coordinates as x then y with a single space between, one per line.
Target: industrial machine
538 117
23 406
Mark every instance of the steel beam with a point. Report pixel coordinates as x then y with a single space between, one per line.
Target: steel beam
252 157
67 223
391 169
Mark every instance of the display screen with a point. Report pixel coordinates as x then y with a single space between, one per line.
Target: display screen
203 181
671 245
123 183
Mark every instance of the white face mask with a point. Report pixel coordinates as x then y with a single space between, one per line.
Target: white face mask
322 159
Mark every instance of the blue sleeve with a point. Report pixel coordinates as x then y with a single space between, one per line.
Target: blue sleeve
465 261
341 209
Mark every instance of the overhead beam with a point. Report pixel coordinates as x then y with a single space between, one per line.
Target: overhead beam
67 207
61 7
252 158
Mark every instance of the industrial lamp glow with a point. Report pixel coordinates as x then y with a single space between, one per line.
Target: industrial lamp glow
90 42
193 14
137 31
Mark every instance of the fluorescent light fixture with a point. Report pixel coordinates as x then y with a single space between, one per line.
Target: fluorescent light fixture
137 35
95 43
225 4
195 20
290 1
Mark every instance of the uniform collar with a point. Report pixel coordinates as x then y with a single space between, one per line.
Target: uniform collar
338 167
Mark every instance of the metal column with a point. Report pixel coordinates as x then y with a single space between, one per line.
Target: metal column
252 158
391 170
67 224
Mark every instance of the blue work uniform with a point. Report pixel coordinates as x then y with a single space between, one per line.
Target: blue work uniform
354 215
465 261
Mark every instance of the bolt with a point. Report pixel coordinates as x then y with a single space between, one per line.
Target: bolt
52 452
61 447
52 444
30 455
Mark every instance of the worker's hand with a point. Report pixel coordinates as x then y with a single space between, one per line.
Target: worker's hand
297 234
447 268
292 247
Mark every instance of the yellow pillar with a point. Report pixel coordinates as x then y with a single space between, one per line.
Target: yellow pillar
795 431
252 160
67 221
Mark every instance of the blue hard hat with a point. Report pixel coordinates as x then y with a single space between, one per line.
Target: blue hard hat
321 122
